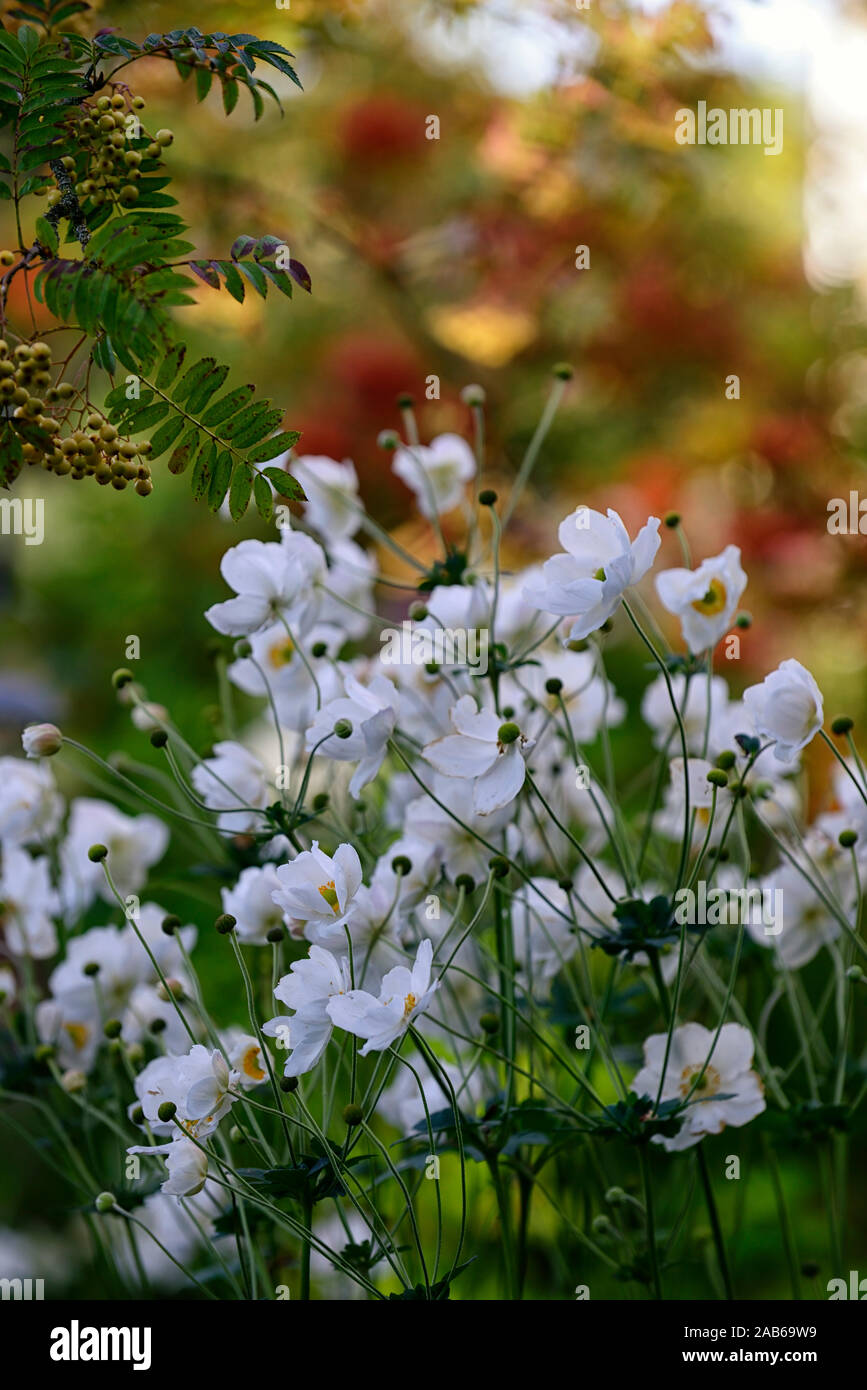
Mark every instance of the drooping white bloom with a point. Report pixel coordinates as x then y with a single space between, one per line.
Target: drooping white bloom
187 1165
600 563
372 711
480 751
700 1069
268 580
134 844
333 507
705 599
28 904
121 962
198 1083
234 783
30 805
308 989
41 740
316 888
403 995
786 707
436 472
251 903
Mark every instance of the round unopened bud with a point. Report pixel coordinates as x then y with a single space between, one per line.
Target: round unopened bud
91 969
554 685
404 401
41 740
489 1023
159 738
166 1111
104 1202
418 611
615 1196
672 519
563 371
487 497
602 1225
97 853
842 725
170 924
45 1052
352 1115
388 439
726 760
847 838
320 801
343 728
319 649
288 1084
508 733
473 394
275 935
112 1028
137 1115
225 923
717 777
855 974
157 1026
122 678
73 1081
744 620
237 1135
401 864
466 882
565 884
499 866
243 649
172 989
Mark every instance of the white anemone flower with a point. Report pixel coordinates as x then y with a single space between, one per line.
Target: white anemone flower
316 888
30 805
308 990
713 1073
251 902
234 783
436 472
589 580
267 578
485 750
28 905
786 707
333 508
403 995
705 599
371 711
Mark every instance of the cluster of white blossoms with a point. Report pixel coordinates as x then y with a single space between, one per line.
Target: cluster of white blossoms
442 795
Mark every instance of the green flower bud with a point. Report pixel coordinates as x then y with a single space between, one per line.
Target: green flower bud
554 685
842 725
104 1202
401 864
489 1023
508 733
717 777
166 1111
225 923
847 838
563 371
726 760
121 678
352 1115
97 853
487 497
672 519
113 1028
343 728
467 882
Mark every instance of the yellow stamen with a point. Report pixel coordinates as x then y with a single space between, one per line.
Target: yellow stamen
281 653
409 1004
709 1083
328 892
714 600
250 1066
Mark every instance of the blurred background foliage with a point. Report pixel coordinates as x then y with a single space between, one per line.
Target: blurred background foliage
455 257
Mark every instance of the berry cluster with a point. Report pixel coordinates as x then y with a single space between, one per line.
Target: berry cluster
114 150
96 450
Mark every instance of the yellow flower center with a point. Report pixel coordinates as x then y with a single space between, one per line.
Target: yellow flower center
709 1083
79 1032
328 892
250 1065
281 653
409 1004
714 600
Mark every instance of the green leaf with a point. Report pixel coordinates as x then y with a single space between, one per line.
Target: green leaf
169 367
228 405
240 490
273 447
285 484
185 450
264 497
202 470
166 435
220 481
191 378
